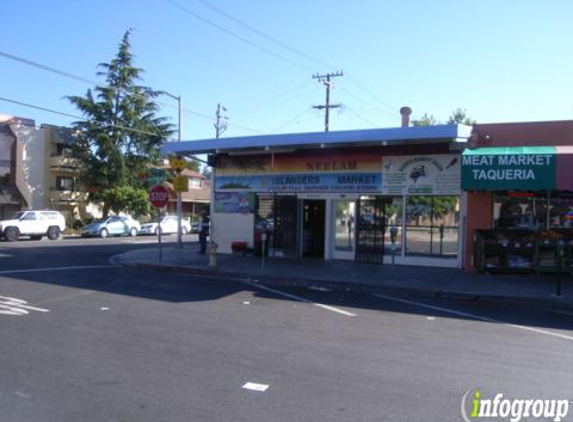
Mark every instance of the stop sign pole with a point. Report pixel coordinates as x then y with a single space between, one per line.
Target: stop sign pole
159 197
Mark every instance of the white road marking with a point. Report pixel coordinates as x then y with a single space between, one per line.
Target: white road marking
431 318
34 270
104 309
558 311
13 306
300 299
319 288
478 317
253 386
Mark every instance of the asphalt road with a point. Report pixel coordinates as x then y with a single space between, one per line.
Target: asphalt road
94 342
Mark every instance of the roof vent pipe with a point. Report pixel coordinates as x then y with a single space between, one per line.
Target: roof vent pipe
405 112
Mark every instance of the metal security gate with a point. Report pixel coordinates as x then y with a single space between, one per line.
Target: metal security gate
285 241
370 229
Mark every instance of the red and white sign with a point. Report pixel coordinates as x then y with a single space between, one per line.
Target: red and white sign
159 196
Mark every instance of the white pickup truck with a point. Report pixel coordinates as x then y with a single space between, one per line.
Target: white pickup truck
34 224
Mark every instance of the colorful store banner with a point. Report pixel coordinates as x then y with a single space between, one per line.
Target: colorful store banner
421 175
234 202
302 182
243 165
509 168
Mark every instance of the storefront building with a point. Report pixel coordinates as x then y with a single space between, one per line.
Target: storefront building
380 196
519 183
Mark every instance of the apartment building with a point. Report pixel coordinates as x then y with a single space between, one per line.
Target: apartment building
38 169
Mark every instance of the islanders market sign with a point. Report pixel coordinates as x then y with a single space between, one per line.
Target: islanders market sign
514 168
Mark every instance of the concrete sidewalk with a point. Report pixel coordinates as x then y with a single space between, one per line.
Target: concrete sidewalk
523 289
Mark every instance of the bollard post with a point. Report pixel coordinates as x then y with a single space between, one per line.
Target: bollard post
213 253
263 248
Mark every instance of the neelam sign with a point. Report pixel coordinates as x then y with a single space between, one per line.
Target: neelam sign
528 168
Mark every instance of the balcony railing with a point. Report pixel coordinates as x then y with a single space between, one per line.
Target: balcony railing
66 196
64 163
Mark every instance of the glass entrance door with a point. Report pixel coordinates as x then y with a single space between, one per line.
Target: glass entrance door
344 229
313 221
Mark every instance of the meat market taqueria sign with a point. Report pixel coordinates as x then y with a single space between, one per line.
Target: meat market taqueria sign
527 168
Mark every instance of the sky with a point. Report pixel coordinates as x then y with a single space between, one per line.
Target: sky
500 60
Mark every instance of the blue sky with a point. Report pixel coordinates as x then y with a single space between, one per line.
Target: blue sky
501 60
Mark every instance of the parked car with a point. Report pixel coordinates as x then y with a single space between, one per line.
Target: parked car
34 224
168 225
112 226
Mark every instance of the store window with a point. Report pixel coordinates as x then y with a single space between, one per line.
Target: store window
432 225
561 211
520 210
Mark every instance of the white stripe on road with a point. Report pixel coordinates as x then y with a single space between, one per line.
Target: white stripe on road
300 299
473 316
34 270
13 306
558 311
253 386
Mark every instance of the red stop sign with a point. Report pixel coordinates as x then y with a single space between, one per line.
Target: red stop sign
159 196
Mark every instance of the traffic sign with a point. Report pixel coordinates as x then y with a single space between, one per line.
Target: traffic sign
180 184
178 164
159 196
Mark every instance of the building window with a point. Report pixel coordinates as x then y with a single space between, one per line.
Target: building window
194 182
432 225
63 150
65 183
6 159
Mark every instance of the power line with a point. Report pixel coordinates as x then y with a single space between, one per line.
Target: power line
291 120
98 85
77 117
365 89
361 117
264 35
238 37
286 47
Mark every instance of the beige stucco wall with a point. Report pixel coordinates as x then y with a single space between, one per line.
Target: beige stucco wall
31 165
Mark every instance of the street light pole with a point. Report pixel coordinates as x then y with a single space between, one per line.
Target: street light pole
179 205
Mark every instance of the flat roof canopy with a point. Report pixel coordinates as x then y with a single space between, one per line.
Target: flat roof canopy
386 136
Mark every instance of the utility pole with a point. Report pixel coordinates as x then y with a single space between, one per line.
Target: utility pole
325 79
221 121
179 199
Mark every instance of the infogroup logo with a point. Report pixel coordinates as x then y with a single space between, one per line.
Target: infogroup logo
474 407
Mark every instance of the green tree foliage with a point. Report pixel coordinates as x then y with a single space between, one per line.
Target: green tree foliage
459 116
194 166
121 133
127 199
425 120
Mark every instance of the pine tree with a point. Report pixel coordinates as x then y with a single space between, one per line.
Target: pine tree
121 133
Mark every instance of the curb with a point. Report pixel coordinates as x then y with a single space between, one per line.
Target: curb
344 286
